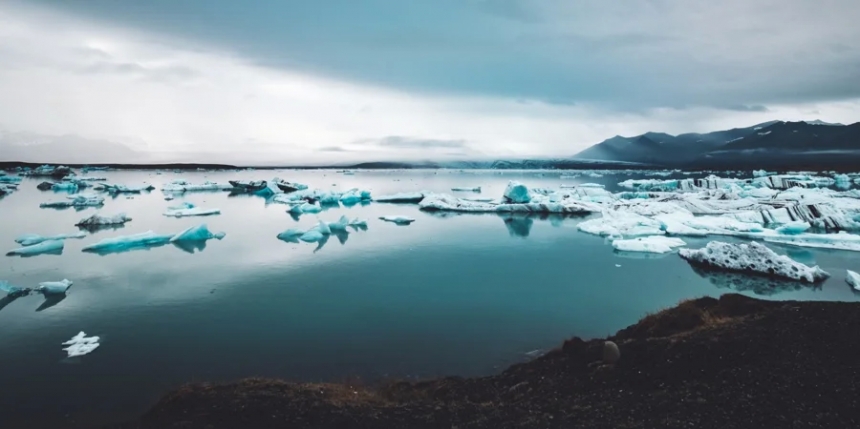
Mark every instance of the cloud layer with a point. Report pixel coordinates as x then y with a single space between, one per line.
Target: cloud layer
379 79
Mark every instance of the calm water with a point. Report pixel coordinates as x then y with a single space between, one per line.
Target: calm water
453 294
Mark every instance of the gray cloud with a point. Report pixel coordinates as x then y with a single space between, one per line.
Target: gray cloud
747 108
401 142
630 55
333 149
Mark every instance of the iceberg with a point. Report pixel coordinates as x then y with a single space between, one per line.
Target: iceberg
853 279
466 189
402 197
248 185
50 247
649 244
842 178
78 201
54 288
323 228
197 233
81 345
10 179
517 193
399 220
617 224
753 258
129 242
684 223
99 220
32 239
353 196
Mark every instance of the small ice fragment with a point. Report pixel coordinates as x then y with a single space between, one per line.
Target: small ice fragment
400 220
49 246
617 265
358 222
31 239
402 197
194 211
54 288
650 244
465 189
81 345
853 279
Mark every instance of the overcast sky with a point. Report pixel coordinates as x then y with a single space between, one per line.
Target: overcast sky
394 79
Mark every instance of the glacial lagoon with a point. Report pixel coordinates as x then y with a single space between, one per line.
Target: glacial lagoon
449 294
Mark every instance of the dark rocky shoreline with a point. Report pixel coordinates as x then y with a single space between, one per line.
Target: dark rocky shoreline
733 362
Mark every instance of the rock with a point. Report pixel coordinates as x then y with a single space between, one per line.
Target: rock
611 353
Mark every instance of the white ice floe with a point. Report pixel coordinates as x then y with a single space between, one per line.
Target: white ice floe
466 189
752 257
188 209
400 220
618 224
838 241
99 220
77 201
650 244
81 345
358 223
50 246
197 233
32 239
54 288
853 279
401 197
183 186
684 223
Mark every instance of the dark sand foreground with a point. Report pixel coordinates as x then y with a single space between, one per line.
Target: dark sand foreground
735 362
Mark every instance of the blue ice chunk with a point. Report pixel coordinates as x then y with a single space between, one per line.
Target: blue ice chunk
291 234
340 225
65 186
197 233
50 246
517 193
10 179
311 236
127 242
793 228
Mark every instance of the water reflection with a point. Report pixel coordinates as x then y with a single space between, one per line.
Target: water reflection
92 229
517 224
190 246
759 285
50 301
